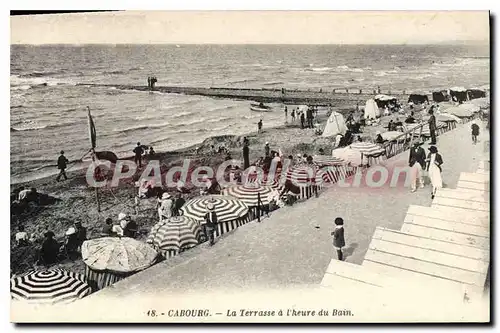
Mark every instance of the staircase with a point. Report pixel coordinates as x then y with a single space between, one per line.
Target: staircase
441 251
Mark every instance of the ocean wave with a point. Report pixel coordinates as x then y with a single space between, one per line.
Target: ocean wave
32 82
140 127
195 121
242 81
380 73
181 114
220 108
319 69
216 120
136 68
114 72
272 83
27 128
41 74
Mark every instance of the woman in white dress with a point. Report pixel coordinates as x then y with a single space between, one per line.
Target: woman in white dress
434 162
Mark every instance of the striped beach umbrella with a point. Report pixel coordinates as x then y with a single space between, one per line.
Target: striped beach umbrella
111 259
459 112
483 102
249 193
368 149
49 287
117 254
469 106
302 173
392 135
351 156
325 160
227 208
171 236
446 117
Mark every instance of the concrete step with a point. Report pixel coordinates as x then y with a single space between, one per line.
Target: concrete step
430 256
442 246
420 283
357 272
423 263
474 177
447 236
451 214
459 203
463 228
343 275
463 194
473 185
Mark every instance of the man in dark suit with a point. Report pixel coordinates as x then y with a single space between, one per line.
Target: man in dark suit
417 165
210 223
432 127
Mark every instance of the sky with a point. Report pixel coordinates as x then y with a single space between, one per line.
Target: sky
252 27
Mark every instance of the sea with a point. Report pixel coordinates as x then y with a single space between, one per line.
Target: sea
48 107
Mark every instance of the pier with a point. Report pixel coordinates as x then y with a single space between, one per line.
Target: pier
319 97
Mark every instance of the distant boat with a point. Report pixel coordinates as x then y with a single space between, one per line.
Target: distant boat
260 107
177 45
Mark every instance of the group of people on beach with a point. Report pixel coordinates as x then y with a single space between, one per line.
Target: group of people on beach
306 118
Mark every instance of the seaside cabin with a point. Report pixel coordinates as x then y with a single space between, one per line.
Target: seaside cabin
418 98
475 93
458 94
440 96
385 101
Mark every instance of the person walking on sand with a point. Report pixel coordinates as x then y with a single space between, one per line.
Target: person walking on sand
338 237
475 131
417 165
259 126
62 163
434 162
138 151
267 150
293 115
302 120
286 115
432 127
210 223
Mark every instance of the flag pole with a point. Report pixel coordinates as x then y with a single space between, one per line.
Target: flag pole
92 150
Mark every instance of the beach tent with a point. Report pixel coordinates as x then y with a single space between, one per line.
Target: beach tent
111 259
249 193
446 117
475 93
384 100
173 235
371 110
52 286
368 149
420 98
458 93
440 96
351 156
335 125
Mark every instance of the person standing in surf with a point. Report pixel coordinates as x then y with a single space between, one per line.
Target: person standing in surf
259 126
62 164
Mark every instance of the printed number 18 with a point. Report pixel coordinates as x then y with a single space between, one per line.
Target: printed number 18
151 313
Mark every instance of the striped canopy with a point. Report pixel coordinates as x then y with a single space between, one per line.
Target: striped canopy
446 117
325 160
349 155
392 135
249 193
368 149
117 254
227 208
330 174
171 236
49 287
301 174
459 112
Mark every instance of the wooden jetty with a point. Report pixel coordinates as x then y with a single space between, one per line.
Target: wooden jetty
310 97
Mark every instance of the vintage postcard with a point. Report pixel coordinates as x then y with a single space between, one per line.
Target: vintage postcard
250 166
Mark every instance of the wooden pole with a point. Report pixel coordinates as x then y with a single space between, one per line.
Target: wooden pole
95 188
258 207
